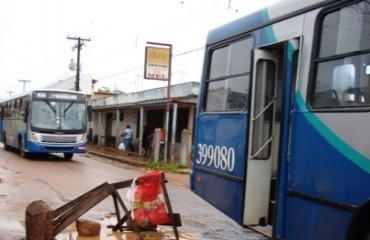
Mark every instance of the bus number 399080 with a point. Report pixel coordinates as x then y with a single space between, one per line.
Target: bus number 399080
220 157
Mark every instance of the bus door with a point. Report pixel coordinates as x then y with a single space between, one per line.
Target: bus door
259 161
273 83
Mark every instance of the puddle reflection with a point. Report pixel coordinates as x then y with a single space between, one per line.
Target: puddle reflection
70 233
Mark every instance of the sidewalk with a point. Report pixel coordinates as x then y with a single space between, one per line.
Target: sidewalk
130 158
115 154
180 178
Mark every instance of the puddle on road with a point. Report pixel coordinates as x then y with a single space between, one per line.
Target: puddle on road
70 233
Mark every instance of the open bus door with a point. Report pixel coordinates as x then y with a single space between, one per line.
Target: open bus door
259 161
271 106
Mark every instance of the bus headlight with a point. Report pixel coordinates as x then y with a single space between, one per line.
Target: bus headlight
33 136
83 138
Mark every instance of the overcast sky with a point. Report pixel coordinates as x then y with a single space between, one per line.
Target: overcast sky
34 44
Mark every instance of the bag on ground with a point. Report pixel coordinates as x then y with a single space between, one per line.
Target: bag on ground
121 146
149 207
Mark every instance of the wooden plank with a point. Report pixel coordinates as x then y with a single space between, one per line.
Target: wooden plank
85 203
169 207
72 203
123 184
127 215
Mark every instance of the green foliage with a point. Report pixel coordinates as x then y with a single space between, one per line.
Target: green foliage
165 167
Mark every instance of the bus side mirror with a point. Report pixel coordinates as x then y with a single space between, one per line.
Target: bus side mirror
89 113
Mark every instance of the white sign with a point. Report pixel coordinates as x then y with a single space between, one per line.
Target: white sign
157 63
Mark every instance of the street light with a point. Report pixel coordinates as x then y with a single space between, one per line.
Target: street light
72 65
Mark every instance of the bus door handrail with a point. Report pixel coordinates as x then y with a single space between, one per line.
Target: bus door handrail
268 141
273 100
263 146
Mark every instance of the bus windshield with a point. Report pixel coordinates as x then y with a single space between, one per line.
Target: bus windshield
58 115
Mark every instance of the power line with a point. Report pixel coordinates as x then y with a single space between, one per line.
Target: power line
141 66
196 15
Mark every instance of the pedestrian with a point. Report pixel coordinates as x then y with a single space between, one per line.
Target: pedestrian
127 138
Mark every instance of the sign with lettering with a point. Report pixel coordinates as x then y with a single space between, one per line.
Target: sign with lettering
157 63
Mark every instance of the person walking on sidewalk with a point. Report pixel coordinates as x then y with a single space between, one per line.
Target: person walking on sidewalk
127 138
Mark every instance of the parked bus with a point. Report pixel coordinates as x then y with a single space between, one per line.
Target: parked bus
282 132
45 121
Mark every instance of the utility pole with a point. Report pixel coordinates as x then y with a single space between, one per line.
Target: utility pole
167 48
10 92
24 83
80 43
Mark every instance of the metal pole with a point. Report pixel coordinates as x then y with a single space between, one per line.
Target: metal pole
173 137
78 46
78 65
168 97
141 126
24 84
168 106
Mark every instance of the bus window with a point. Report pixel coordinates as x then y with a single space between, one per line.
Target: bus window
341 79
346 30
26 111
228 77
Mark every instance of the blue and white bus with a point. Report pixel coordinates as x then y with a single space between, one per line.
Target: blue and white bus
282 132
45 121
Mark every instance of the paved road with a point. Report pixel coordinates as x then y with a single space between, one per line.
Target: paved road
57 182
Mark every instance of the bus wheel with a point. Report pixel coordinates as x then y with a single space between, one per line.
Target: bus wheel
367 236
6 147
68 156
360 225
21 148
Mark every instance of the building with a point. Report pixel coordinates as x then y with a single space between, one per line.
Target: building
112 114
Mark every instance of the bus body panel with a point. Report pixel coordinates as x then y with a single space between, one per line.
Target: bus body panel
14 128
302 221
55 148
256 20
224 194
224 160
320 161
326 164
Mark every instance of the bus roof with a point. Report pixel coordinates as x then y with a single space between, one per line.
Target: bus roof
262 17
19 95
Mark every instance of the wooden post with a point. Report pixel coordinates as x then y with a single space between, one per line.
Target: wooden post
39 221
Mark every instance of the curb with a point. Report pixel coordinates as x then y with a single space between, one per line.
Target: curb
120 159
131 162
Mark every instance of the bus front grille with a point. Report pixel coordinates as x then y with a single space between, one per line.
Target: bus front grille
58 139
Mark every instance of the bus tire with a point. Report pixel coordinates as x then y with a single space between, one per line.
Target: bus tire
359 228
68 156
21 148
